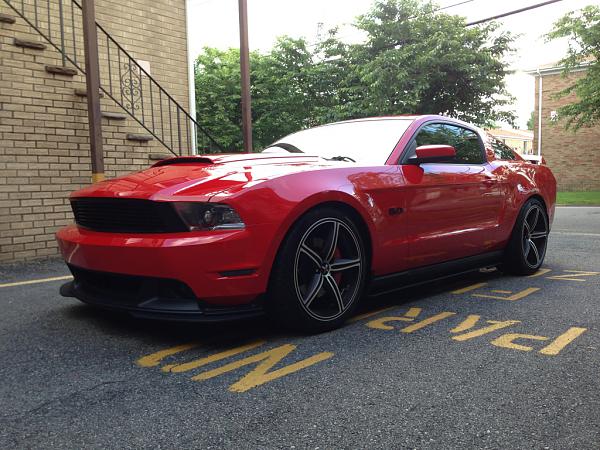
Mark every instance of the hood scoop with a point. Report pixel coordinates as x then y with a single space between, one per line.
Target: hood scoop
223 158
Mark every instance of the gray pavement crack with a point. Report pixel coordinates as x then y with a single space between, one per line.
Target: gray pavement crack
62 398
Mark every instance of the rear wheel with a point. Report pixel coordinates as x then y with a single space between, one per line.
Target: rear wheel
527 246
320 271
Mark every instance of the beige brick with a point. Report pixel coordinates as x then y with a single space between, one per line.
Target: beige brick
573 157
24 254
44 140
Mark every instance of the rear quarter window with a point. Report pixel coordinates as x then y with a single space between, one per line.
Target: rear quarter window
502 151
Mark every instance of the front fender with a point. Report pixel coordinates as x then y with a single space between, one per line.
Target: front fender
281 202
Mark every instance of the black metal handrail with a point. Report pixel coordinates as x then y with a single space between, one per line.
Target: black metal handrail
122 78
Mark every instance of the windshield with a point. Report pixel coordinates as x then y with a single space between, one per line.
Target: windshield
368 142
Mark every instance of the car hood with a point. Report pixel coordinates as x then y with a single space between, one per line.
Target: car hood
201 177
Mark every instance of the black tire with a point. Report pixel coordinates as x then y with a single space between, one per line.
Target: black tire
315 286
527 246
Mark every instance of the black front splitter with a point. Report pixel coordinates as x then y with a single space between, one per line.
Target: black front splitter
167 309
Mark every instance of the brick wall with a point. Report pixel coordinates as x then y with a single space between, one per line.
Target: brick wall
44 140
154 31
574 157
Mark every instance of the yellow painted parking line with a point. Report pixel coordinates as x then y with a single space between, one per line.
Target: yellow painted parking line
494 326
382 322
423 323
42 280
508 341
562 341
469 288
565 278
155 358
368 314
573 275
176 368
262 373
512 298
466 324
540 272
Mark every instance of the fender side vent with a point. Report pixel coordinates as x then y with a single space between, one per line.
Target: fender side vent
237 273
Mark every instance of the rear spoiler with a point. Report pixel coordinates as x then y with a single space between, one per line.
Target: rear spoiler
184 160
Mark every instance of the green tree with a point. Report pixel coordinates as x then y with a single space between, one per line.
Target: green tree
582 28
419 61
414 60
282 97
531 121
218 101
281 101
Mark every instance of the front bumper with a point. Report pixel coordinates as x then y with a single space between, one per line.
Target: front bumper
149 298
220 268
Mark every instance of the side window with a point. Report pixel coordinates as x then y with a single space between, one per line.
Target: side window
466 142
501 150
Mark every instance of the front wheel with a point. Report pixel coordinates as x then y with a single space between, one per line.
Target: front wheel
527 246
320 271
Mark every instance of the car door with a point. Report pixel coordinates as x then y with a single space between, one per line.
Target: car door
452 208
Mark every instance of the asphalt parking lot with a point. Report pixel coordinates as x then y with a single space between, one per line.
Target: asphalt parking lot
482 361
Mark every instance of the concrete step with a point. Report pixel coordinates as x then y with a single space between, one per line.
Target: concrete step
114 116
139 137
24 43
5 18
82 92
61 70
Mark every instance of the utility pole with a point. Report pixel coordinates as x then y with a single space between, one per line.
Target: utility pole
92 78
245 76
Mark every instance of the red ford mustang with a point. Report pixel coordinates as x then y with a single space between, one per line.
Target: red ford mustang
311 225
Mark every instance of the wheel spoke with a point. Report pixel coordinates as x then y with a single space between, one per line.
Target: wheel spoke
332 241
315 286
533 247
527 227
314 256
538 235
344 264
333 287
536 215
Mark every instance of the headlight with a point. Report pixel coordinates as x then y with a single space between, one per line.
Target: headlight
209 216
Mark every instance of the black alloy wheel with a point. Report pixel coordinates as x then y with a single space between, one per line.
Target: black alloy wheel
535 236
320 272
527 246
327 269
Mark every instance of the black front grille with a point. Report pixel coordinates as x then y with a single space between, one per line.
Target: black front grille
124 215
